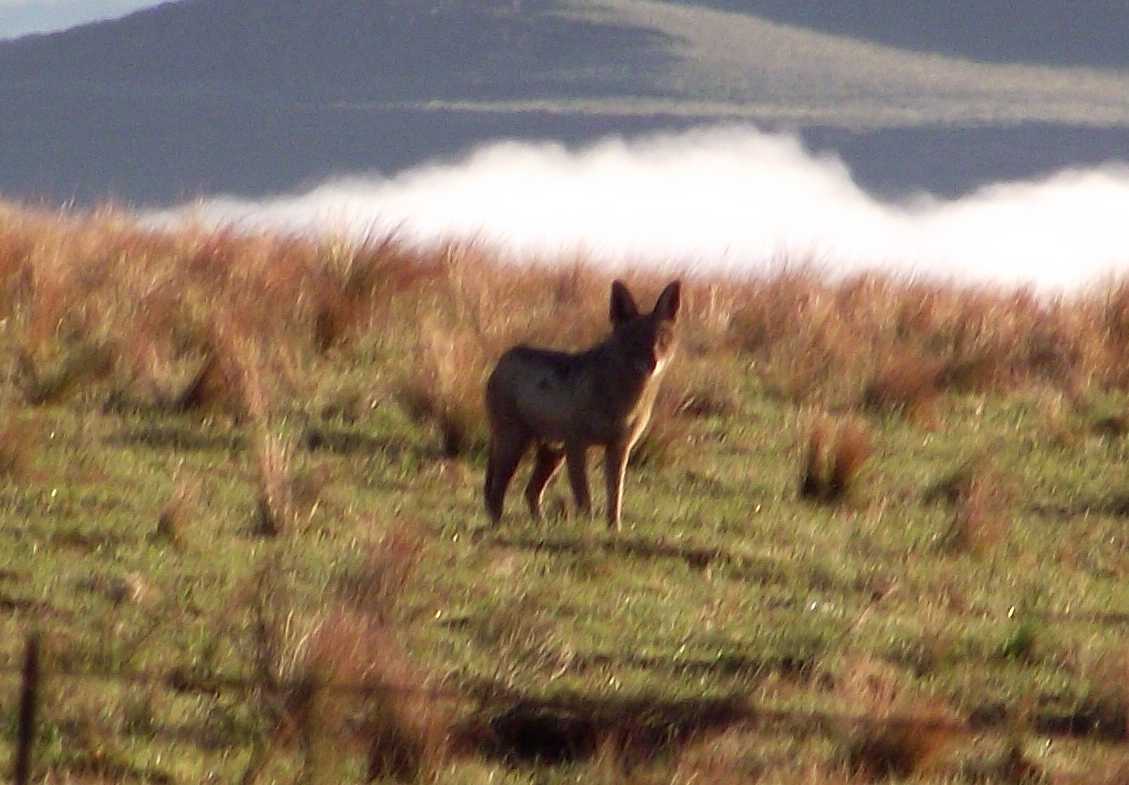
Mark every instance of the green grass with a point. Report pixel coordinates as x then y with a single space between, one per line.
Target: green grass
921 626
723 585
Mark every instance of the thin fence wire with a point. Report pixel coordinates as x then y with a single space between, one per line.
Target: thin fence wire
482 691
180 681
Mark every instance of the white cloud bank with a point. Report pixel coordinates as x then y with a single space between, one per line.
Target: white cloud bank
731 198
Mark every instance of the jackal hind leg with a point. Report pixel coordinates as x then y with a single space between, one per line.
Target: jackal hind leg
576 456
506 451
549 460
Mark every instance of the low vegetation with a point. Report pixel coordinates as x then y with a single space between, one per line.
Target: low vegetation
877 531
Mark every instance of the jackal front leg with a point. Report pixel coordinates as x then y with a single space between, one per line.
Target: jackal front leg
615 468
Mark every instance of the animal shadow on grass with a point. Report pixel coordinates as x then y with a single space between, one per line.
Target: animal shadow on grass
173 437
95 766
572 728
1094 720
350 443
730 665
1113 505
1104 618
577 728
38 609
697 557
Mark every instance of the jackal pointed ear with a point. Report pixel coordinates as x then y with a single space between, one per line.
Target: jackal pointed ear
667 305
623 304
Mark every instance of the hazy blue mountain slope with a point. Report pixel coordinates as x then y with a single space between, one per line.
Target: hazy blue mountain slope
387 49
254 96
754 68
1053 32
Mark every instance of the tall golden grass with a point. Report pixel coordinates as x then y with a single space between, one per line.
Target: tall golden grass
217 320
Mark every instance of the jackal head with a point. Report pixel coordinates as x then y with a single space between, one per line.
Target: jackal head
647 341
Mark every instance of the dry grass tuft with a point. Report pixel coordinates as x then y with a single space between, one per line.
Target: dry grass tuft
293 698
44 382
1060 419
289 493
814 463
355 679
1016 768
696 390
979 496
977 524
407 724
851 451
981 372
869 683
216 385
909 385
445 388
18 441
723 760
177 512
1112 427
376 587
323 683
353 282
904 746
277 508
830 469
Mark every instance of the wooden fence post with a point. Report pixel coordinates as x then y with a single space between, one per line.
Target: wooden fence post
29 698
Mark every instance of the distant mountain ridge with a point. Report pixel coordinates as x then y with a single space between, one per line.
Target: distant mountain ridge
390 49
343 42
1090 33
257 96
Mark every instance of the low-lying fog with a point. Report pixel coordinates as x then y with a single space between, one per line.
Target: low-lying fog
731 198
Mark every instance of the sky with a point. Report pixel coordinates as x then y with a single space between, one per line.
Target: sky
21 17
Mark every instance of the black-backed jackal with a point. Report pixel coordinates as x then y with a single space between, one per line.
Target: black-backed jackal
564 403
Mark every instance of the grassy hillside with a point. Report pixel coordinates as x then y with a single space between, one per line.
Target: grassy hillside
877 530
